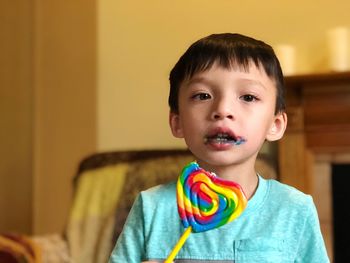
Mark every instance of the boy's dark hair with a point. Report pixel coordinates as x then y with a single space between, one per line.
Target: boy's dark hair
229 50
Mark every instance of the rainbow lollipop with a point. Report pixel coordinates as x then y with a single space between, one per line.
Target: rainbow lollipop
205 202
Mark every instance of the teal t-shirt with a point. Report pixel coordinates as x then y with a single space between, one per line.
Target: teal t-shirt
280 224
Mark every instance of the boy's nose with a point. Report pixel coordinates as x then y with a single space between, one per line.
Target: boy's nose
222 111
221 115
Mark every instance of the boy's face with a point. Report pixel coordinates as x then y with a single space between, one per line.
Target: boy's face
218 107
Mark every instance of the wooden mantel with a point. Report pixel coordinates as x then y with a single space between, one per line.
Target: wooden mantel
318 108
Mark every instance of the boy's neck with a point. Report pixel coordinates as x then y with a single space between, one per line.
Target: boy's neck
244 174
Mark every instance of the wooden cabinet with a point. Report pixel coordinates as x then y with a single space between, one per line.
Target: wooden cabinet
318 108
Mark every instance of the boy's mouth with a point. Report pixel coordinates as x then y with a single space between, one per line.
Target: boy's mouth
224 138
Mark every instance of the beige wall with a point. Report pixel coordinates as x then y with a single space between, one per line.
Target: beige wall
65 104
16 92
48 108
139 42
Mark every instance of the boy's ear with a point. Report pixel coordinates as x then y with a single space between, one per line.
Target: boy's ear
175 125
278 127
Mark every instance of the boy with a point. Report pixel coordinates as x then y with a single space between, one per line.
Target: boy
224 89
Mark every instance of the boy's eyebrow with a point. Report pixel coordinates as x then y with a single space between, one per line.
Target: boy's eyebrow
195 80
201 79
255 82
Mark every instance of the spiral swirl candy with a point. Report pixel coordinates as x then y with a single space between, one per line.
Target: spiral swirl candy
206 201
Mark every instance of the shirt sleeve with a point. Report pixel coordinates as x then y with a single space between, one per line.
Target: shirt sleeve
312 247
130 244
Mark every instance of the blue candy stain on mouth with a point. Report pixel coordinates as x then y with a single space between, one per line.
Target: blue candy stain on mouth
239 141
224 138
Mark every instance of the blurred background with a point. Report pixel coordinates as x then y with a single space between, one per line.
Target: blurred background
85 76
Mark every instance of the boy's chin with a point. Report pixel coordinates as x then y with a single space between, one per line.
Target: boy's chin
218 161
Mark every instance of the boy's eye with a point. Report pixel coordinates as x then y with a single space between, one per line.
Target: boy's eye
249 98
202 96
